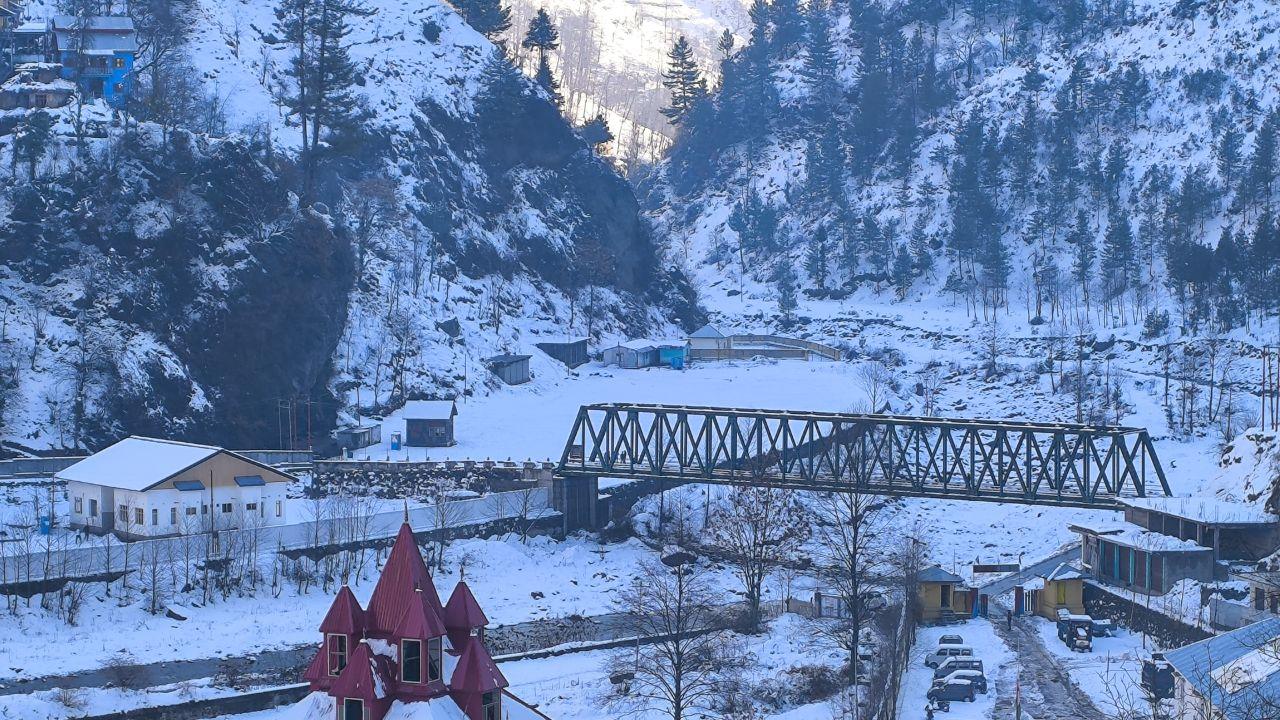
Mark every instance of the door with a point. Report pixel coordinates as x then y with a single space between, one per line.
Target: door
946 596
93 512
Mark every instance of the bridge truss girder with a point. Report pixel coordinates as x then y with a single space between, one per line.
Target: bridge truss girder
997 461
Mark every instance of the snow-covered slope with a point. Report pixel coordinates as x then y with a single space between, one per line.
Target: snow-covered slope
613 53
215 309
1193 71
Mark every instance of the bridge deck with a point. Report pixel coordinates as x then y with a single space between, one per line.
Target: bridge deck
994 461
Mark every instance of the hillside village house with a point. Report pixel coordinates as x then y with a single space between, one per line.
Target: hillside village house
1234 531
571 352
1231 676
510 369
1132 557
408 655
429 423
96 53
145 487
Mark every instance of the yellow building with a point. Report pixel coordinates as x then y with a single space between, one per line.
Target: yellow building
1061 589
943 596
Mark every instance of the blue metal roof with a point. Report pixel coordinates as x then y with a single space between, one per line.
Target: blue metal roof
188 484
1235 691
937 574
250 480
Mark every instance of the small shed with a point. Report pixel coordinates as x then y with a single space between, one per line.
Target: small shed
358 436
570 352
511 369
632 354
1061 589
672 353
943 596
708 337
429 423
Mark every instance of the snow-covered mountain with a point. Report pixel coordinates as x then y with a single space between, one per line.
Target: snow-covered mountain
166 278
1076 163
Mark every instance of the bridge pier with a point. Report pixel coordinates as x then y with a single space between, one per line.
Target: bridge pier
576 497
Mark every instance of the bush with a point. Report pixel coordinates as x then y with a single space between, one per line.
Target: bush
812 683
1155 324
70 698
124 671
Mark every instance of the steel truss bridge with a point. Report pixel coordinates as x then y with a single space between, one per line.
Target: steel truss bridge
997 461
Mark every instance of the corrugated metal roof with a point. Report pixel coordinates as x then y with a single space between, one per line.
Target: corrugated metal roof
507 359
403 572
462 611
345 615
1234 671
250 481
429 410
937 574
102 23
476 672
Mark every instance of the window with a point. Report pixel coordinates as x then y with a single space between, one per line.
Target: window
491 705
1259 599
155 516
352 709
139 516
204 509
250 507
123 514
1275 603
337 653
435 659
79 505
191 510
173 515
226 508
93 508
279 508
411 664
119 62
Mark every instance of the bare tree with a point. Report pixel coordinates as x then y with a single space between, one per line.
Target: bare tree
756 530
876 381
686 669
852 532
446 512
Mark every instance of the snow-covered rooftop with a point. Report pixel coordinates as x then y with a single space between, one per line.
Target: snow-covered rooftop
1136 536
1205 510
707 331
137 463
1063 572
428 410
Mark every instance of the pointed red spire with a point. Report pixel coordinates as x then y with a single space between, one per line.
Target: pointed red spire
318 671
463 612
365 676
404 574
420 620
345 616
476 672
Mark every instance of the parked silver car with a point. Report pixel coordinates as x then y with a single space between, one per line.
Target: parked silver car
935 658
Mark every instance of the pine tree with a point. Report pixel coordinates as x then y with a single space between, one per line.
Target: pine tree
788 27
684 80
338 108
1118 256
596 131
542 34
818 257
545 38
903 272
820 65
786 282
1084 253
489 17
726 44
1227 154
31 141
547 80
294 20
918 243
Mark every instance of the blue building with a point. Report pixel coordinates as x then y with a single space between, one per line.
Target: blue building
97 53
